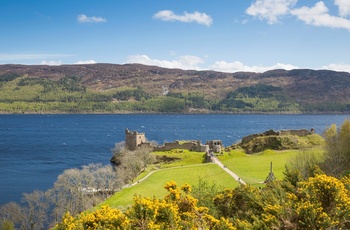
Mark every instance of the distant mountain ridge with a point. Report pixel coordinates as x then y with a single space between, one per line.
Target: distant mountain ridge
304 87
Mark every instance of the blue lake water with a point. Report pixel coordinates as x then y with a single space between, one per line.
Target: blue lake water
35 149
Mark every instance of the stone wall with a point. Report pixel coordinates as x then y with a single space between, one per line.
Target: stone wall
215 145
190 145
133 140
298 132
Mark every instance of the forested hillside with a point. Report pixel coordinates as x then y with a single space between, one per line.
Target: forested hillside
112 88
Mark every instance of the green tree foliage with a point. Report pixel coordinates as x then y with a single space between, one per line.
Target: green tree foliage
301 167
259 90
256 98
192 100
137 94
7 225
325 107
7 77
337 160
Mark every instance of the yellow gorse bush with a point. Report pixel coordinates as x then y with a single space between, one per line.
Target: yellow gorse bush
320 202
178 210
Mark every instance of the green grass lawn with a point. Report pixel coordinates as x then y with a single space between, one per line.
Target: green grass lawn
186 157
154 184
254 168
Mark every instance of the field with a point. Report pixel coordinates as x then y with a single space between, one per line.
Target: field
154 184
253 169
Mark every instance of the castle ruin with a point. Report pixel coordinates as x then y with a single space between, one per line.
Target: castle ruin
215 145
133 139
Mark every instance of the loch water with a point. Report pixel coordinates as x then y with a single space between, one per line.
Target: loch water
35 149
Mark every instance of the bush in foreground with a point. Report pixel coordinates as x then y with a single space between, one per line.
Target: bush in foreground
178 210
319 202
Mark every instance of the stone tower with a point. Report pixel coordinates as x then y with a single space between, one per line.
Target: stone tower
133 139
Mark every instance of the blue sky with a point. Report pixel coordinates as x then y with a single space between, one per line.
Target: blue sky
223 35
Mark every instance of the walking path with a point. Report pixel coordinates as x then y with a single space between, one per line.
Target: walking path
215 160
218 162
149 174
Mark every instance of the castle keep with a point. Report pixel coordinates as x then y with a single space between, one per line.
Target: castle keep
133 139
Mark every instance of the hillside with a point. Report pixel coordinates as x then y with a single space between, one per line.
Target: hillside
135 87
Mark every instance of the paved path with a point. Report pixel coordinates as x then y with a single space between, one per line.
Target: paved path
215 160
218 162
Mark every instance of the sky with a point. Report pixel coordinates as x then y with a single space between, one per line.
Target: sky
222 35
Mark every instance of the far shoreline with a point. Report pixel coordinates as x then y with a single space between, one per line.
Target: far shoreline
184 113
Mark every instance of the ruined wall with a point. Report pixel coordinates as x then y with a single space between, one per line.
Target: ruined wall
298 132
215 145
248 138
135 139
176 145
190 145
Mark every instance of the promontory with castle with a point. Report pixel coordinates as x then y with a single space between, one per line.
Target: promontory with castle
253 143
273 140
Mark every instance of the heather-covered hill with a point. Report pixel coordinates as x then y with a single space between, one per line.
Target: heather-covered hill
300 90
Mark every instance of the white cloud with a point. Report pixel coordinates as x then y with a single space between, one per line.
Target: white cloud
270 10
82 18
237 66
184 62
318 16
51 63
201 18
194 63
344 7
85 62
337 67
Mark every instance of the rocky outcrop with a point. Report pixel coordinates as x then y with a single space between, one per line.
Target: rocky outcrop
298 132
279 140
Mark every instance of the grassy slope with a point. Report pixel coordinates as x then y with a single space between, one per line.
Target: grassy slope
256 167
251 168
189 169
186 158
154 184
